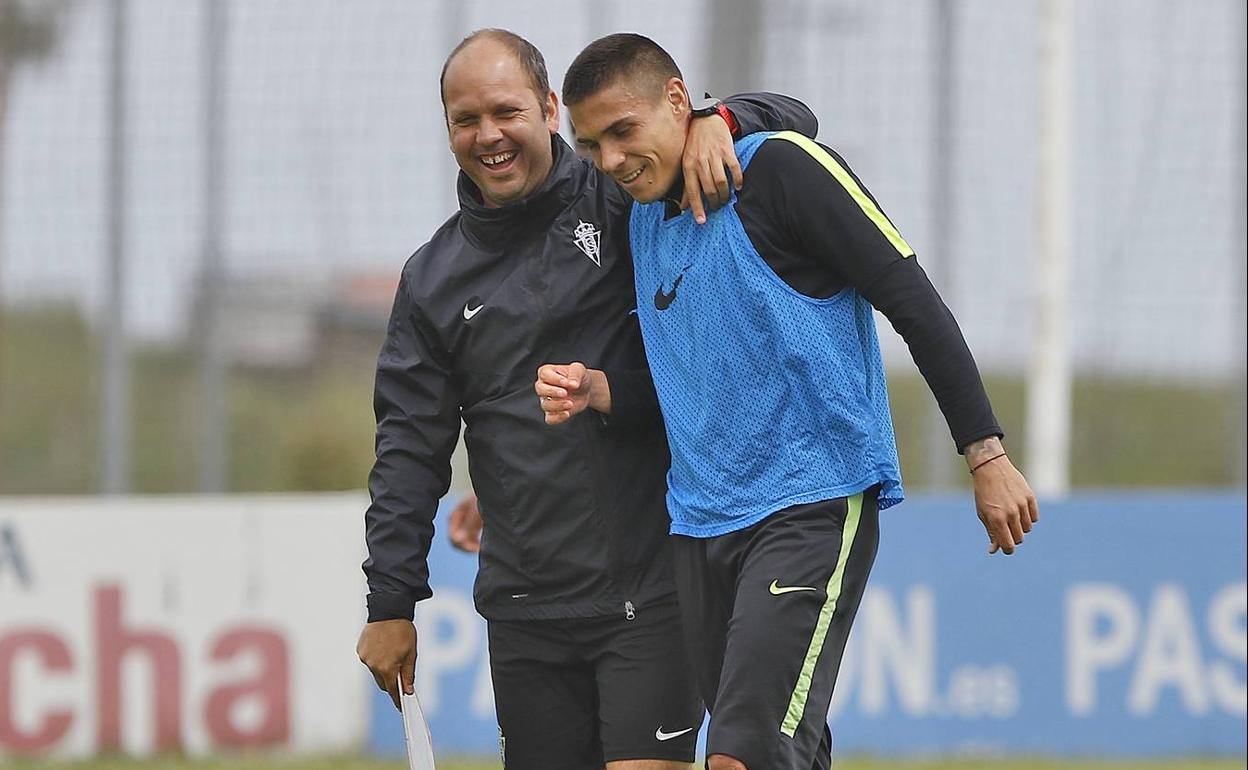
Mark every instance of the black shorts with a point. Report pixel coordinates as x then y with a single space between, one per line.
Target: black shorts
767 611
576 694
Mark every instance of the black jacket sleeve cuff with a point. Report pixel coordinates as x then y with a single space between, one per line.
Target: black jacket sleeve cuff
393 606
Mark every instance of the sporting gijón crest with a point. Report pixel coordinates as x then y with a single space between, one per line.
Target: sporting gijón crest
588 239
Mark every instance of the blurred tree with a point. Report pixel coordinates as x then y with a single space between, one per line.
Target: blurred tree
28 33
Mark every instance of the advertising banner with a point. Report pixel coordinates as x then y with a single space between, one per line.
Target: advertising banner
201 624
1118 628
179 623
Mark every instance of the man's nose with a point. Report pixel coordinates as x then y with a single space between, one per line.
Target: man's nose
488 132
612 158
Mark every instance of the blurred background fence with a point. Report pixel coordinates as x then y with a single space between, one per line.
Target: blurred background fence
204 207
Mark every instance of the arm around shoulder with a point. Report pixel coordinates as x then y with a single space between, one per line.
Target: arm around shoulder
763 111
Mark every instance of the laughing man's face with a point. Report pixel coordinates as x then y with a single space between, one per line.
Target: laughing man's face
499 128
636 133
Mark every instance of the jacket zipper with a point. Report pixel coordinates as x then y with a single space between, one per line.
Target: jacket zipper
630 612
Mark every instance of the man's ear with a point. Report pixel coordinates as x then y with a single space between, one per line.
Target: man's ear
551 110
677 96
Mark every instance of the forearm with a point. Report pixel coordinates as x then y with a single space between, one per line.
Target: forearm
909 301
599 391
632 401
396 569
398 525
763 111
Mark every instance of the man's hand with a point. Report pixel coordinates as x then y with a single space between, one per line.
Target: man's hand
388 648
566 390
466 525
708 149
1003 498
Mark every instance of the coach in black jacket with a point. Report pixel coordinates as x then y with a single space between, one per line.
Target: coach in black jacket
535 267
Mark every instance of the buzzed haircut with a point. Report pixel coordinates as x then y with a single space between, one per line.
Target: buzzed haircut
614 57
526 54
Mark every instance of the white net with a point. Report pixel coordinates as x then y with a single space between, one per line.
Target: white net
336 165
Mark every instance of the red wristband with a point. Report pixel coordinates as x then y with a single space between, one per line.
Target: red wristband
727 115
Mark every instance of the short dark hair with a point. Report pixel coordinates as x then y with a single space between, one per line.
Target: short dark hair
607 59
526 54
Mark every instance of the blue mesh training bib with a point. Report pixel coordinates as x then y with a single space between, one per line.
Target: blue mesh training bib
771 398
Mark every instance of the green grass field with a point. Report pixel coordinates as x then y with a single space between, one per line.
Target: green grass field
846 764
312 429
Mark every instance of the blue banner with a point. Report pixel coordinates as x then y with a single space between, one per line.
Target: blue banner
1119 628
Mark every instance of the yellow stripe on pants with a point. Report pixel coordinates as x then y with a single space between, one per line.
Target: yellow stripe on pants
797 703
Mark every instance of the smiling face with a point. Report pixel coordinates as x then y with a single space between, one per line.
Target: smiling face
499 128
636 133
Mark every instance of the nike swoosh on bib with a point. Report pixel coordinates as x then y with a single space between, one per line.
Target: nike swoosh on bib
469 312
663 300
662 736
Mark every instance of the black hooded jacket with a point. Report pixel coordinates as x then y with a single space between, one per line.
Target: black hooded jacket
575 520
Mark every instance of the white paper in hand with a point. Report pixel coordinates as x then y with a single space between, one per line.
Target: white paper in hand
416 732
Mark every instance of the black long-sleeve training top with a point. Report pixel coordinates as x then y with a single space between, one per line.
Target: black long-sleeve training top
575 520
808 228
